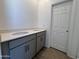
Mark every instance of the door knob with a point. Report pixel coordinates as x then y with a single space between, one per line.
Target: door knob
67 31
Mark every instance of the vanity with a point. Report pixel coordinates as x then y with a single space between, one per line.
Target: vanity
23 47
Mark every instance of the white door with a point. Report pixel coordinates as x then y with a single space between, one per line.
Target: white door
60 25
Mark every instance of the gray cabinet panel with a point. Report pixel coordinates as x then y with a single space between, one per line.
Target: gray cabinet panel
21 52
39 46
40 40
20 41
33 47
5 50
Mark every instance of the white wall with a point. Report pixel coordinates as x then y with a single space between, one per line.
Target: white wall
44 17
75 41
20 14
74 31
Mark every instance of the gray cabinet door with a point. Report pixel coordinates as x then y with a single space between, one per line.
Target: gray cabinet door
20 52
40 42
33 47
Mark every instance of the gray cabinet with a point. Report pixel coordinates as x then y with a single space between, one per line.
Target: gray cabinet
24 47
25 51
20 48
40 40
20 52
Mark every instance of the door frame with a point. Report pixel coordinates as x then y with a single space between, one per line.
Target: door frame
51 25
72 51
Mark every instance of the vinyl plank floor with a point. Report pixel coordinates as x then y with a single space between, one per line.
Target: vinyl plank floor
51 53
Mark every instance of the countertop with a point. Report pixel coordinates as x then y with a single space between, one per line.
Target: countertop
7 36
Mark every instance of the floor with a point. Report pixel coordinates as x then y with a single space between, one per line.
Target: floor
51 53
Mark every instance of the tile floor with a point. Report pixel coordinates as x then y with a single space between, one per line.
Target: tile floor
51 53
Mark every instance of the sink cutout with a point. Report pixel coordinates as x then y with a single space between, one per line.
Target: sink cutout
19 33
35 30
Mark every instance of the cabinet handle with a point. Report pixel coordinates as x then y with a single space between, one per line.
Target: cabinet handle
41 39
67 31
26 48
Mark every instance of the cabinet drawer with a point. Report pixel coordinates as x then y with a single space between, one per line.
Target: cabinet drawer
19 41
